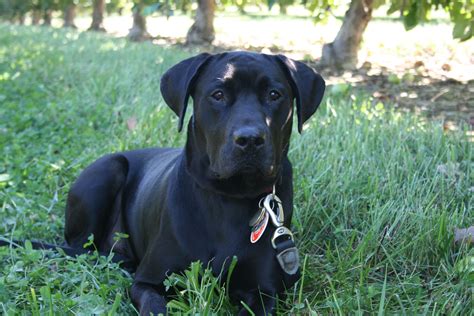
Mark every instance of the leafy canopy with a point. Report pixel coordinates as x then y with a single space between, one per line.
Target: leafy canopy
412 12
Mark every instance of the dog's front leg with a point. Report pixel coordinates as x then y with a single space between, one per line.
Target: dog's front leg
260 303
147 299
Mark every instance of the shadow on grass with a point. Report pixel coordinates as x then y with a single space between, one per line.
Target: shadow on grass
446 100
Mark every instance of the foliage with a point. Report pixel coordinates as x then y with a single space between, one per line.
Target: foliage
149 7
198 291
15 8
412 12
373 214
461 12
12 9
116 6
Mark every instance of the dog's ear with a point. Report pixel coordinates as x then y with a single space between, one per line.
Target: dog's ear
177 82
307 85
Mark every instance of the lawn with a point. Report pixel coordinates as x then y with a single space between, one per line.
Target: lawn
377 193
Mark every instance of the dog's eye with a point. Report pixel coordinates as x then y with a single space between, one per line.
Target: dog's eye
274 95
218 95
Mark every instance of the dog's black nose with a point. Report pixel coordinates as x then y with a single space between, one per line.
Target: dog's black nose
249 137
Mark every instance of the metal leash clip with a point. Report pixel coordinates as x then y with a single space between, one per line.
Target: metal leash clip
269 203
270 206
281 231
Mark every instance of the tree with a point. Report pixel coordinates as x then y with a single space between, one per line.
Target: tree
143 8
35 16
98 9
47 7
202 30
138 31
342 52
69 13
283 4
14 10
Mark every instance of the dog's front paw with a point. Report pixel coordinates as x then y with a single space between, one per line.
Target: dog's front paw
148 300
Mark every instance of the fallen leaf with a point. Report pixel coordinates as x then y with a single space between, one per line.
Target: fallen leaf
449 126
464 235
132 123
366 65
446 67
419 64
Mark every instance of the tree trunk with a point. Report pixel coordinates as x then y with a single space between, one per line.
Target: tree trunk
241 6
35 17
202 31
342 52
21 19
47 17
138 31
283 7
69 15
98 16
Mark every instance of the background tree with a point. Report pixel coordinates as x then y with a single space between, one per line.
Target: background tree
342 52
241 5
284 4
98 10
69 12
47 7
116 6
14 11
35 12
142 9
138 31
202 30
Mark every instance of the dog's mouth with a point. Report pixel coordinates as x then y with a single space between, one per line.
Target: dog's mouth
243 175
245 171
247 181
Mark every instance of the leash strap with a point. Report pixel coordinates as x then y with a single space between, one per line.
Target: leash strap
287 256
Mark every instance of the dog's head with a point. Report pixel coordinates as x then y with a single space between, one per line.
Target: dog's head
243 113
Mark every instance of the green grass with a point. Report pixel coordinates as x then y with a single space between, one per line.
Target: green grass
374 216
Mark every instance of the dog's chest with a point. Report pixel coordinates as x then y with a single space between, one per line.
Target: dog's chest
223 233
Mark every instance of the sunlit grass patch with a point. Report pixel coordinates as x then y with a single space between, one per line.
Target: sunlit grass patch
377 193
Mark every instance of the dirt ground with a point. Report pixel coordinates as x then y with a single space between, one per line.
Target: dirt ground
423 70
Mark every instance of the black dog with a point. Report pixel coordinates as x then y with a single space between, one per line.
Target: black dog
183 205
